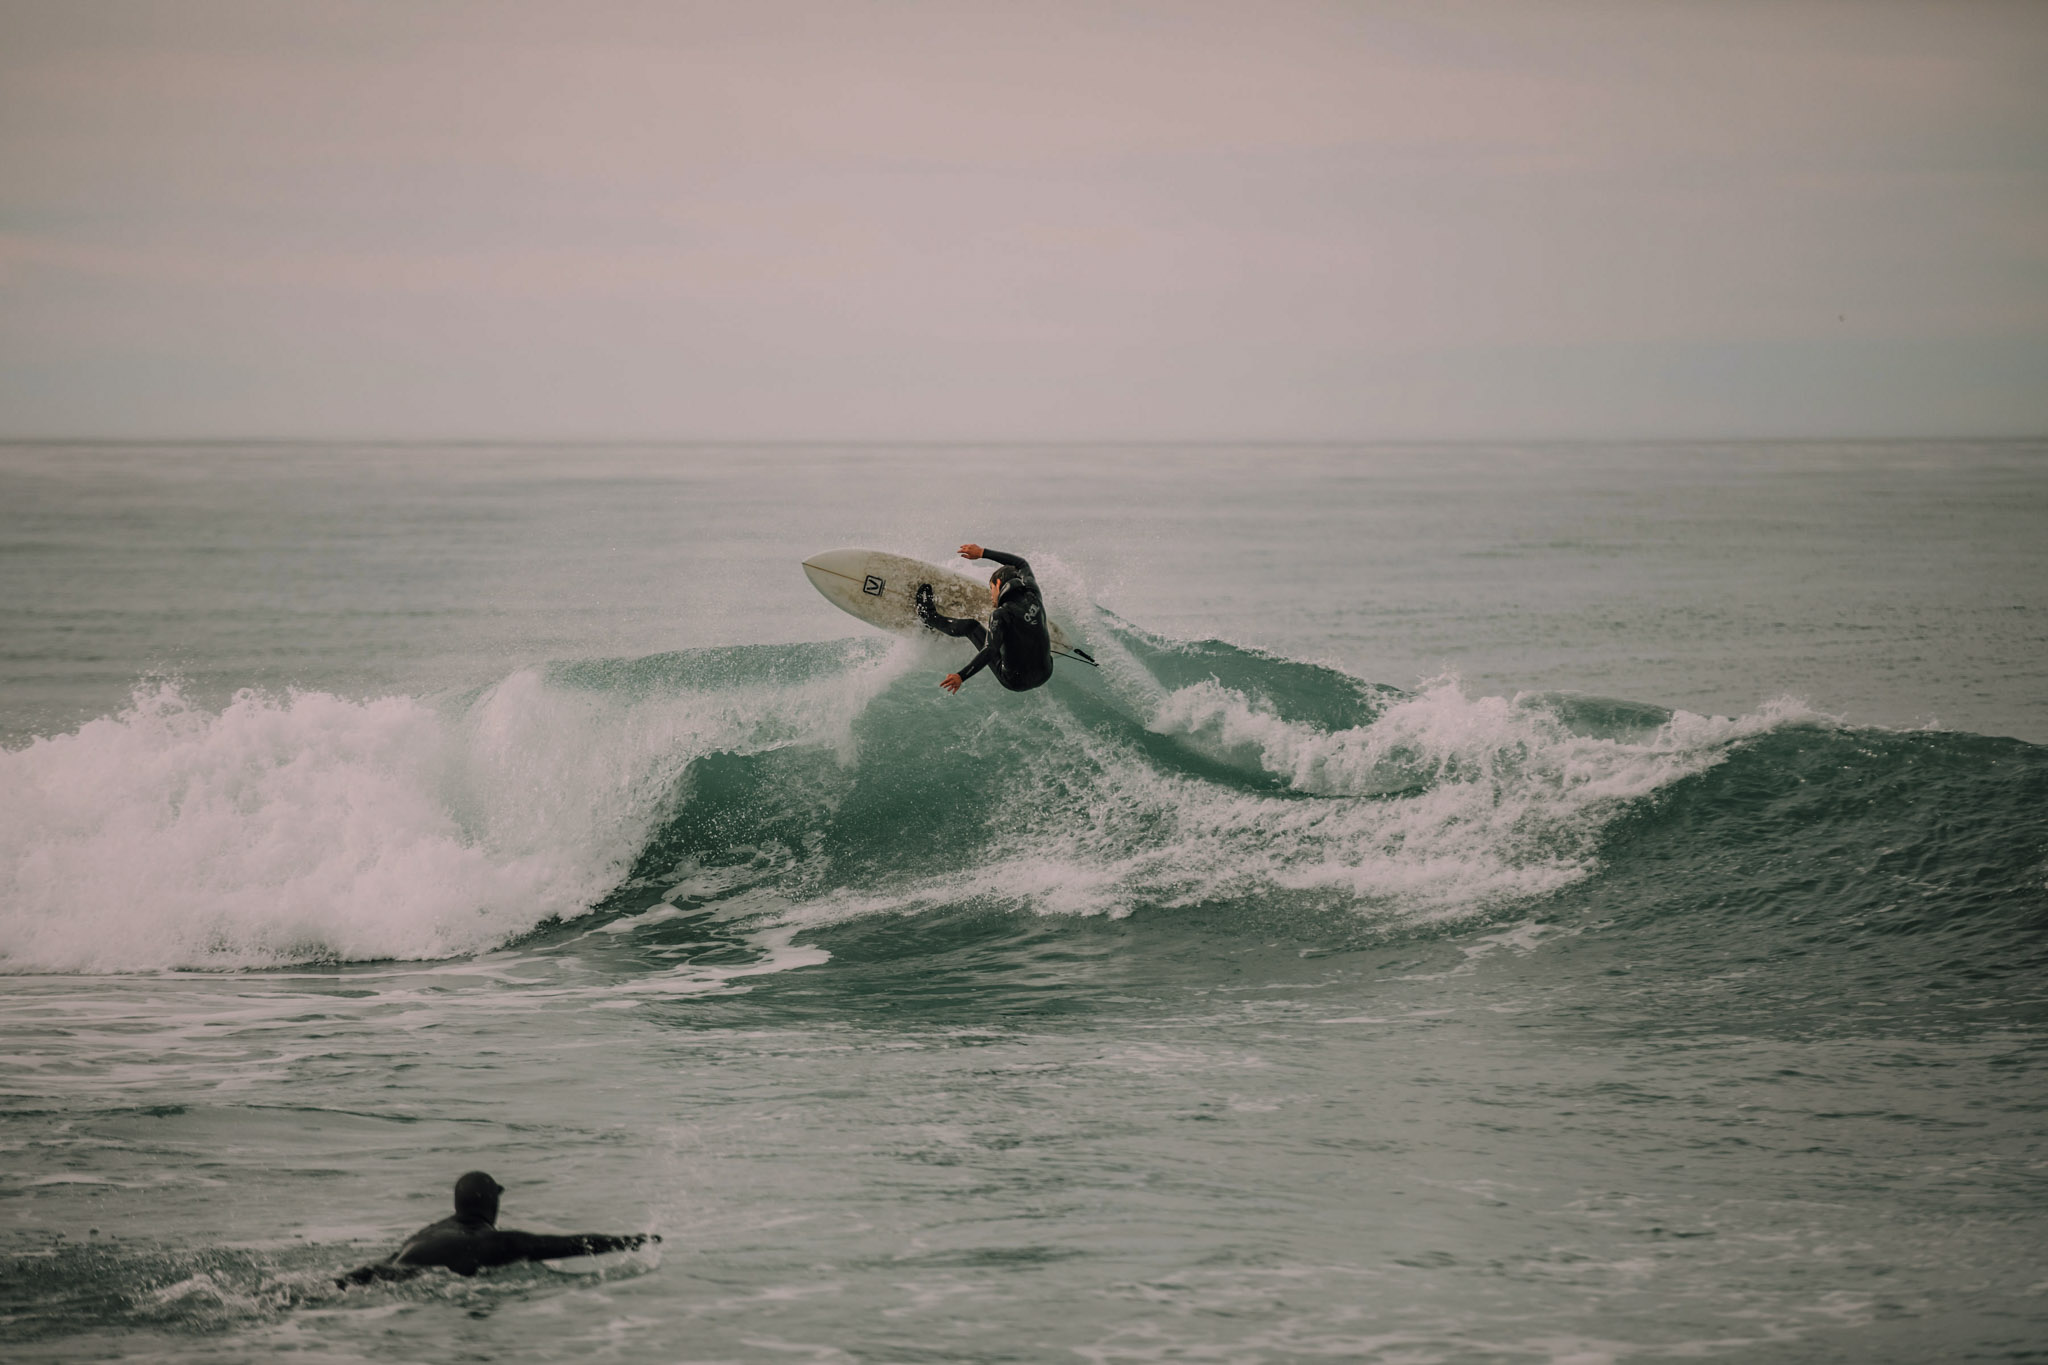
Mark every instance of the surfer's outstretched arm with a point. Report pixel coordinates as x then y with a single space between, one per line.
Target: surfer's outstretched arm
542 1246
982 552
979 661
952 681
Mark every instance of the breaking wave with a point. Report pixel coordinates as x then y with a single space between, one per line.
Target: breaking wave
312 827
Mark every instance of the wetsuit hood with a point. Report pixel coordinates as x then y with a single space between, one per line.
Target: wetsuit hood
476 1198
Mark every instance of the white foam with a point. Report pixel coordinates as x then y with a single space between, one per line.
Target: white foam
313 827
1498 801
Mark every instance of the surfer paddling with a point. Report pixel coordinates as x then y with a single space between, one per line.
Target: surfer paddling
473 1241
1016 645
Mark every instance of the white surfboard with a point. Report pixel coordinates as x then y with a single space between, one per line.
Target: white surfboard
881 589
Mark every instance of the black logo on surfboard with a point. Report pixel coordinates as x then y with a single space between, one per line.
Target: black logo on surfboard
873 586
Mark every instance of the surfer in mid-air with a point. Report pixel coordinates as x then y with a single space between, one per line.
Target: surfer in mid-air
473 1241
1016 645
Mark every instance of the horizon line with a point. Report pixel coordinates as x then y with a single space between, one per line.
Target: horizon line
926 442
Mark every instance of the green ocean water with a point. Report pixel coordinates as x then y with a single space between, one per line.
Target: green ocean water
1553 904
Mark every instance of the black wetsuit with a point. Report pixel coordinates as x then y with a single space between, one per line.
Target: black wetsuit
1016 646
471 1241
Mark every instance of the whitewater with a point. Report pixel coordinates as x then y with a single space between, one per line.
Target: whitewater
1560 903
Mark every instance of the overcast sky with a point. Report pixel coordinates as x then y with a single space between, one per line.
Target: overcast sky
878 220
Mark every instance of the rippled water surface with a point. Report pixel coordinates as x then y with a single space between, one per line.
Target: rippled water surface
1491 904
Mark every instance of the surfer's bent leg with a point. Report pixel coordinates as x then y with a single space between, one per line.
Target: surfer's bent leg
969 629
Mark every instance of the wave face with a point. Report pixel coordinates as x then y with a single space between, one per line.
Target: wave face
308 827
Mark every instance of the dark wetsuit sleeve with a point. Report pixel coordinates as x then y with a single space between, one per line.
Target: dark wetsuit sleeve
981 660
1014 561
542 1246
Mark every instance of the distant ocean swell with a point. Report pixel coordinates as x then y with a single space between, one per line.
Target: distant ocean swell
309 827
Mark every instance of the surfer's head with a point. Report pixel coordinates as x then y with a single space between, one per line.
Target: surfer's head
476 1196
999 580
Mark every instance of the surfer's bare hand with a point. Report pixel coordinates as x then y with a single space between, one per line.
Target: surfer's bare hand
951 682
970 551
